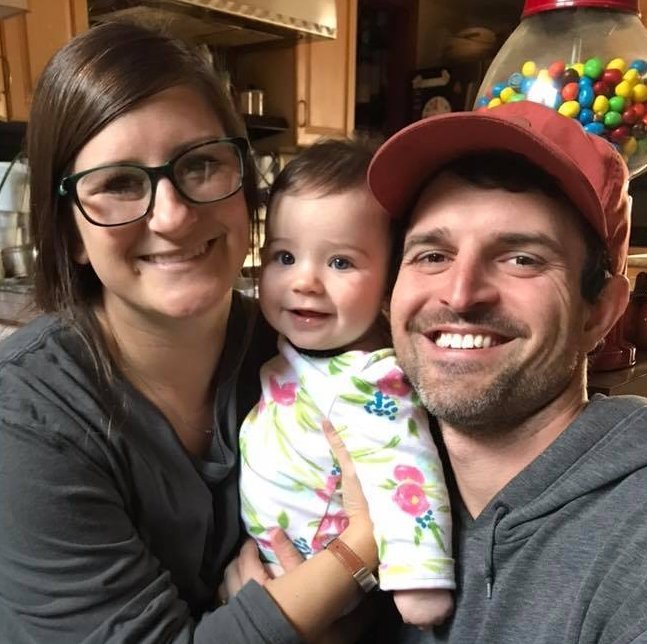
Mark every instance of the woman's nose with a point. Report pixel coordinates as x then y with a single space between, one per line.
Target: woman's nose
170 213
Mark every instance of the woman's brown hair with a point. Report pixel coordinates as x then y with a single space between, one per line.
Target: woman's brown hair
94 79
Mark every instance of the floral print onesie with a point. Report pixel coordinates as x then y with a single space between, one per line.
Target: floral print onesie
290 479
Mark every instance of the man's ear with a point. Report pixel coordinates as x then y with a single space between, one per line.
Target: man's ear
606 311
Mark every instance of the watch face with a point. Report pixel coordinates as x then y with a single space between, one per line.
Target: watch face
436 105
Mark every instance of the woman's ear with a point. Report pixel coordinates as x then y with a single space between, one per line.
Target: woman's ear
606 310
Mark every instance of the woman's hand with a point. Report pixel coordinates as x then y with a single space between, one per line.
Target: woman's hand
355 505
248 565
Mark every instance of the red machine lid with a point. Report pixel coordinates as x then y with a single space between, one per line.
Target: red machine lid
537 6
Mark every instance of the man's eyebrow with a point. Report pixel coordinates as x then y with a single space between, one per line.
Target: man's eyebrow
440 235
428 238
531 239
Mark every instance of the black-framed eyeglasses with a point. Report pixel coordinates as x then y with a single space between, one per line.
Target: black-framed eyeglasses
121 193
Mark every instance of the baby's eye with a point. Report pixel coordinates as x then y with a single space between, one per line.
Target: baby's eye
285 258
340 263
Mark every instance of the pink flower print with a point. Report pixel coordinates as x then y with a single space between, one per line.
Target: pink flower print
408 473
284 394
411 498
394 384
331 486
332 525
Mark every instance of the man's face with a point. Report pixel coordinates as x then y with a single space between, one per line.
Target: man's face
487 317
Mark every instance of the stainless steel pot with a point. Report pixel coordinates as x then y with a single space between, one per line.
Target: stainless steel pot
18 261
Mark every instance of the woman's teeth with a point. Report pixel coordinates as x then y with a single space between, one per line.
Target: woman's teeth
466 341
173 258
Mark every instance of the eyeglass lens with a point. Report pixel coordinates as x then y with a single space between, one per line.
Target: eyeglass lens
119 194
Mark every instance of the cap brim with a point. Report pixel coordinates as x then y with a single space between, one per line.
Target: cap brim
404 164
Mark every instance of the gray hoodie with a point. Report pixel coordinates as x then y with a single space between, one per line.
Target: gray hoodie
560 554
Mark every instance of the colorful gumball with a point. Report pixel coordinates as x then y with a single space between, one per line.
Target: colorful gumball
529 68
571 91
617 63
600 105
593 67
585 116
612 119
570 109
617 104
639 93
607 96
600 88
595 128
557 69
586 96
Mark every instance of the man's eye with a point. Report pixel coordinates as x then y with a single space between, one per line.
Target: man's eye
340 263
285 258
431 257
522 260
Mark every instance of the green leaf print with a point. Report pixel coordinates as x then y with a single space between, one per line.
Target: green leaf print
337 364
355 399
283 520
381 551
363 386
256 530
439 566
412 427
438 535
389 484
308 410
371 455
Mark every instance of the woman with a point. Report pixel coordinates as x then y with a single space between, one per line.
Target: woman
120 408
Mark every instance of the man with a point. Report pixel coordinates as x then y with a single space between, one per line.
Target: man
511 273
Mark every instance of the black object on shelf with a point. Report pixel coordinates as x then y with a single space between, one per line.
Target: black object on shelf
259 127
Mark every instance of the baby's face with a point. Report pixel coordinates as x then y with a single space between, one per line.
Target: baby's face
325 265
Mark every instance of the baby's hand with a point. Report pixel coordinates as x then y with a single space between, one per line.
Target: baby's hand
424 608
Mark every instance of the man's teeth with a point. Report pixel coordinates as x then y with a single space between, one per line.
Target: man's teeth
171 258
467 341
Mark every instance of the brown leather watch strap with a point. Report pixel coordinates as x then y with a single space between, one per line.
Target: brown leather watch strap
357 568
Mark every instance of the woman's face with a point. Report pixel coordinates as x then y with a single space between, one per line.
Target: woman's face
182 259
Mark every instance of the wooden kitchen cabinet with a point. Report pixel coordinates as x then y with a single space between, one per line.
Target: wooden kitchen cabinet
27 42
311 84
325 81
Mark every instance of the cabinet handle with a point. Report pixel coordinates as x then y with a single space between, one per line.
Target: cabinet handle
302 113
4 84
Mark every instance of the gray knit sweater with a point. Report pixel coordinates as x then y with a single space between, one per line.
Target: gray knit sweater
109 530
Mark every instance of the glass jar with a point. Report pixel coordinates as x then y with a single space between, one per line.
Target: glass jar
586 59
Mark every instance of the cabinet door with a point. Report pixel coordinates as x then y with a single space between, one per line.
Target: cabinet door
28 42
325 81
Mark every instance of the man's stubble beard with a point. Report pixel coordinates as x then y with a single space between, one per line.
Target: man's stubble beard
514 395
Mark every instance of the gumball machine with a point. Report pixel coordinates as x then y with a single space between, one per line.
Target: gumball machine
587 59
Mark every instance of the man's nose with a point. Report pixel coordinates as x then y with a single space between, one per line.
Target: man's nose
469 283
170 213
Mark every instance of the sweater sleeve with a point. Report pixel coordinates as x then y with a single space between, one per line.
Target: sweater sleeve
75 569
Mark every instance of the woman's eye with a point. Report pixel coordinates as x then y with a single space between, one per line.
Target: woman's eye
340 263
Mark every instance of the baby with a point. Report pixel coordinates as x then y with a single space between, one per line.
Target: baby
323 286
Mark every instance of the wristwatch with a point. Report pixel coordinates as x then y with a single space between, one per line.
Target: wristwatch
361 574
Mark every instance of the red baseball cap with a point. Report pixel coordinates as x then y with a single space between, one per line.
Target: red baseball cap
587 168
